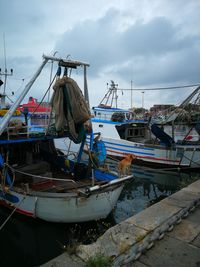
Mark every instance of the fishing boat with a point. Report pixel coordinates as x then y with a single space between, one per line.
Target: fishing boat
118 124
4 105
35 108
153 142
165 178
37 180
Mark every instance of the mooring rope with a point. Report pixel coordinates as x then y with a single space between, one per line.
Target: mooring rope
13 211
195 162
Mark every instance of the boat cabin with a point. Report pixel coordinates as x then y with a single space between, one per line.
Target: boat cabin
112 114
134 131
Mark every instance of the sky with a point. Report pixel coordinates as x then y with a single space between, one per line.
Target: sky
136 43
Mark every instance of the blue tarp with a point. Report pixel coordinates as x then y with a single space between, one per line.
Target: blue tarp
100 151
197 128
162 136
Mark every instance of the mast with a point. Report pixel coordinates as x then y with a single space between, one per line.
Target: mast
11 111
111 92
5 74
3 95
62 62
189 98
131 94
172 116
73 64
86 94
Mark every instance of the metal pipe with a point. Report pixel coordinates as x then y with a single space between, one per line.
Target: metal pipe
112 182
74 62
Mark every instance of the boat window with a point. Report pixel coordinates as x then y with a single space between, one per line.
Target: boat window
128 116
101 125
130 132
137 132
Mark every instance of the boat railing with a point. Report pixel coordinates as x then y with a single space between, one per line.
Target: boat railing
44 183
33 181
19 128
27 131
103 116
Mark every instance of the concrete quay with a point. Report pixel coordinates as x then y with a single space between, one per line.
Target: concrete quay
179 248
165 234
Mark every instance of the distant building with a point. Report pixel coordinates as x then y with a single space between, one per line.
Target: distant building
160 108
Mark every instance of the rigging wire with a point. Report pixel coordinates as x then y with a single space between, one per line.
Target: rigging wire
4 48
43 96
159 88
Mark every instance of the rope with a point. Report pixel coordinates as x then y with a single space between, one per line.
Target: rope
41 177
90 156
3 184
13 211
167 168
191 160
4 172
115 159
43 97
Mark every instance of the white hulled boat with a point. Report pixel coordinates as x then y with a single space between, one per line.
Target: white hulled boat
36 179
122 135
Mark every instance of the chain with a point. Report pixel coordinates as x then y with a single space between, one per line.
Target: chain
148 242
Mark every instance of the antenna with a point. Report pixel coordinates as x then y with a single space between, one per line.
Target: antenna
5 74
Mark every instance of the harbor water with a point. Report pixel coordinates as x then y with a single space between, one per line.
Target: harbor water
32 242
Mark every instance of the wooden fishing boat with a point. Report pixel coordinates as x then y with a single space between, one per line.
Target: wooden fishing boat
39 181
152 142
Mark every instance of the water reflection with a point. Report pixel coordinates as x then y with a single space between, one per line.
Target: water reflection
149 187
28 242
31 242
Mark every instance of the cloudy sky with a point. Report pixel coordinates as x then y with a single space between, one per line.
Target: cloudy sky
151 43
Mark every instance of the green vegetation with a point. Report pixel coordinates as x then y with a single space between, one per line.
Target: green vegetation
99 260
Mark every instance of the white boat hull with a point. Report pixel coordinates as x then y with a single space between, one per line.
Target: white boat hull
63 207
177 155
180 155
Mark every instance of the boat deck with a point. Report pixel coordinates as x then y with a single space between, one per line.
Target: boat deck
62 187
54 182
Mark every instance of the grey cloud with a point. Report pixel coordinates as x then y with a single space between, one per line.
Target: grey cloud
18 17
151 52
156 37
158 45
22 64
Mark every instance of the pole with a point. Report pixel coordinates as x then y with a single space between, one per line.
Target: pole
143 110
11 111
86 94
131 94
3 96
